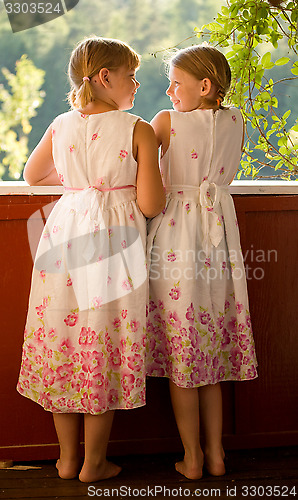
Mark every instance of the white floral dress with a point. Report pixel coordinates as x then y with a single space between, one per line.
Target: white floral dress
198 328
84 343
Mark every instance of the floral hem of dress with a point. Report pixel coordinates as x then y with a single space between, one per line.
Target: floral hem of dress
82 411
203 384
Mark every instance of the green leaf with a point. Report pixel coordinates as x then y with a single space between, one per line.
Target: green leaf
282 61
294 69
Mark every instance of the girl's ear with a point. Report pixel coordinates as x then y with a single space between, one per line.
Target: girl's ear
205 87
104 77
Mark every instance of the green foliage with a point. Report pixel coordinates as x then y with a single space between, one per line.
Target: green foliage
17 106
253 35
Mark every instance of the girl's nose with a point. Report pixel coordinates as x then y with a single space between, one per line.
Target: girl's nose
137 84
169 90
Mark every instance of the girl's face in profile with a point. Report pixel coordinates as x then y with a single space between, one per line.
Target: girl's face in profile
124 87
184 90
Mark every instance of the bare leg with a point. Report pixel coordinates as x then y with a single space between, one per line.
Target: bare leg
211 418
97 433
185 404
68 431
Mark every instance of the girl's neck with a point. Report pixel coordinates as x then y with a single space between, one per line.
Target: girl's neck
98 106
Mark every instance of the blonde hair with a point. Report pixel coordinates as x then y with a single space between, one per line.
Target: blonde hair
88 58
204 61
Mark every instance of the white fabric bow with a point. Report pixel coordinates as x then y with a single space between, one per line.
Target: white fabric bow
212 226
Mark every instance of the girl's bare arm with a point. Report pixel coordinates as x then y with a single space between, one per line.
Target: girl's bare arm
150 191
40 167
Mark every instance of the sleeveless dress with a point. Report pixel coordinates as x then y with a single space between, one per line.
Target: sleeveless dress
199 330
84 343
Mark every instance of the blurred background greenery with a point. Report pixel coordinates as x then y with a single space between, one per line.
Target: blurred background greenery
150 26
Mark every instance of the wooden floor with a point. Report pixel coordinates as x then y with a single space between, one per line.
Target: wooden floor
266 473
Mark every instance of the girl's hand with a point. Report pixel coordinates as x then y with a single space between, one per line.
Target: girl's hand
40 167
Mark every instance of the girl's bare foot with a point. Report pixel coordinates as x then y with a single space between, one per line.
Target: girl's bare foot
91 473
214 463
191 468
68 469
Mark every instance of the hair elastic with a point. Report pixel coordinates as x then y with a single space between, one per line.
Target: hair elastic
218 101
86 78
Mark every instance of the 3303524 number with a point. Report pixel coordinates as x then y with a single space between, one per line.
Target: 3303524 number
33 8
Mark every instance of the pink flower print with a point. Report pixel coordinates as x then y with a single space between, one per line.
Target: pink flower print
127 284
187 208
42 274
173 132
204 318
239 307
68 282
99 182
134 325
124 313
123 244
39 335
236 357
71 319
83 115
52 333
176 344
96 302
223 266
220 322
248 321
53 131
123 154
174 320
115 359
109 280
64 373
66 347
71 148
232 325
207 263
116 323
152 305
92 361
131 216
205 178
94 137
227 305
194 154
190 313
56 229
69 245
110 232
87 336
48 376
236 223
234 118
127 381
58 263
135 362
243 342
61 178
172 222
46 234
113 397
175 293
100 258
135 347
180 192
221 170
171 256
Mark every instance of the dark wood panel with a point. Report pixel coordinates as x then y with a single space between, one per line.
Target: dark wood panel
261 413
